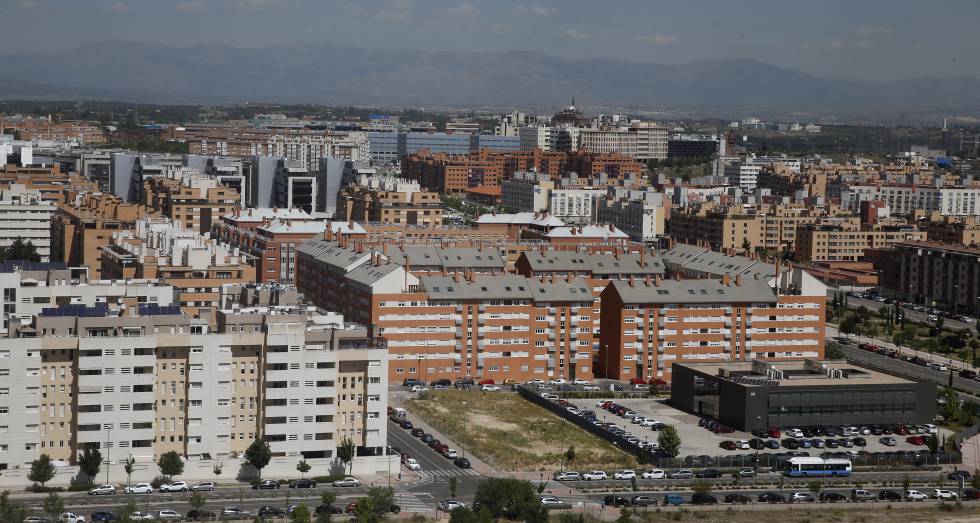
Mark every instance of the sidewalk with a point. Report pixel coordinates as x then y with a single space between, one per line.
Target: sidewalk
971 453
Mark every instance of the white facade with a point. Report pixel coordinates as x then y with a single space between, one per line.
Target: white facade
642 141
744 176
23 214
949 201
526 192
574 206
640 214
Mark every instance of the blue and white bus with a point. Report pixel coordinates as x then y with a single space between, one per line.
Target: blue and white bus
805 467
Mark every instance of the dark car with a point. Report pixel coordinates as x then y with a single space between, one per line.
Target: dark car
303 483
200 515
709 474
772 497
418 433
615 501
328 509
271 512
427 438
971 493
643 501
266 484
462 463
101 515
757 443
790 443
405 424
699 498
772 444
890 495
442 383
832 497
957 474
735 498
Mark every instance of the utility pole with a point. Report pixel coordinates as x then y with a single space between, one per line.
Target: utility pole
108 435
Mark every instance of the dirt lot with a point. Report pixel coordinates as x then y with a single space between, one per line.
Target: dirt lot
512 434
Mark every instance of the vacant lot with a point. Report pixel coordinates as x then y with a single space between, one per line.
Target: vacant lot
512 434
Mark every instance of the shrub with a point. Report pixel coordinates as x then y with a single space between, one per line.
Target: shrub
159 480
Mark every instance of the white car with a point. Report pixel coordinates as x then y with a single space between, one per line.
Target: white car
625 474
175 486
559 381
71 517
742 444
594 475
450 454
590 388
931 429
102 490
638 420
794 433
448 505
549 396
552 501
567 476
802 497
915 495
490 388
654 474
536 381
204 486
647 422
138 488
580 381
168 515
412 464
418 388
347 482
141 516
943 494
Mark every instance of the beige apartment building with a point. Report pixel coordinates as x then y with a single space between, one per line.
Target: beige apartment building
85 224
389 200
847 242
144 384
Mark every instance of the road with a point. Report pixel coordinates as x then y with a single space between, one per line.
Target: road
903 368
436 469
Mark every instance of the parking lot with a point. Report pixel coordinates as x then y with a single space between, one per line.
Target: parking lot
696 440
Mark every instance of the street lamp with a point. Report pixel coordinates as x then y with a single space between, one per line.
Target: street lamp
758 424
108 445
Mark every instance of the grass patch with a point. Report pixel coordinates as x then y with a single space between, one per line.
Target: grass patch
512 434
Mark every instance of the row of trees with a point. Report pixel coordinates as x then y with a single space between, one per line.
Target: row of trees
257 455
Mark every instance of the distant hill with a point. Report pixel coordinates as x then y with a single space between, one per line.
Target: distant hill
327 73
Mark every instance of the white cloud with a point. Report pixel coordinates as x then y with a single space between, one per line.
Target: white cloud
255 4
872 31
656 39
574 34
535 10
394 11
499 28
352 9
117 7
190 6
466 9
30 4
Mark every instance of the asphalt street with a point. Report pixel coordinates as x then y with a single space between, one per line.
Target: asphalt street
854 302
903 368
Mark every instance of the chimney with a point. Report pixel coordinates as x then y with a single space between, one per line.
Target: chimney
632 281
456 277
738 280
657 281
643 258
328 235
726 280
647 280
568 278
443 271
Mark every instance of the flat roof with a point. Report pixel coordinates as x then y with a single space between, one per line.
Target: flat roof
796 372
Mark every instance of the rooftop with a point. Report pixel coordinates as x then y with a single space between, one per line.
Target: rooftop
795 373
695 291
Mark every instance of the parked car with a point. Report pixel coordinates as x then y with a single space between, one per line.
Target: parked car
889 495
615 501
643 501
567 476
625 475
745 473
204 486
233 513
417 432
328 509
915 495
141 516
653 474
594 475
728 445
71 517
199 515
551 502
271 512
940 493
802 497
266 484
405 424
462 463
447 505
736 499
889 441
412 464
303 483
490 388
681 474
957 474
175 486
700 498
860 494
169 515
832 497
347 482
101 515
673 499
102 490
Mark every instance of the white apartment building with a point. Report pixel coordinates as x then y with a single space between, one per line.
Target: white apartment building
904 199
641 140
141 385
526 192
743 175
640 214
23 214
563 138
574 206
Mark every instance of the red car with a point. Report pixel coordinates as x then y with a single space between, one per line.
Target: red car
901 430
728 445
657 381
916 440
487 381
638 381
774 433
723 429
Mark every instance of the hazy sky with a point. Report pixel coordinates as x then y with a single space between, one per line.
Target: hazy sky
858 39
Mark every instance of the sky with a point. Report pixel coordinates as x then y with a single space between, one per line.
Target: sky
867 39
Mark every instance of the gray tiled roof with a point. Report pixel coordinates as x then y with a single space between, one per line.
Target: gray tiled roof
331 253
368 274
694 260
597 264
451 258
696 291
505 288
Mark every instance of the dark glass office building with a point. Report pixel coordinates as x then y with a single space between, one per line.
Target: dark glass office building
759 394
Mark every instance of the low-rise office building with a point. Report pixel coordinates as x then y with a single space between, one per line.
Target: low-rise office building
750 395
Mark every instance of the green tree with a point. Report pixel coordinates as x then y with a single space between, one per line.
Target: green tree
89 463
53 506
570 455
303 467
11 511
20 250
197 500
701 487
346 452
453 485
465 515
217 468
42 470
669 441
372 507
933 443
129 466
170 464
258 455
848 325
328 497
300 514
510 498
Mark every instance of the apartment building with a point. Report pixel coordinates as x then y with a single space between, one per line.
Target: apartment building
24 215
306 146
526 192
723 230
29 288
390 147
191 199
928 272
196 265
388 199
148 383
34 128
743 175
906 199
85 224
845 242
949 229
647 325
641 141
639 214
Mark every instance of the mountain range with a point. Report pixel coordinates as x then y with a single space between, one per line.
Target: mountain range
335 74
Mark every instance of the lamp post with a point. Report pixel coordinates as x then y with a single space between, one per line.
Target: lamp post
758 420
108 435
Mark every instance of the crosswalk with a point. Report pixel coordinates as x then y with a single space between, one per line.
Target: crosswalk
434 476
